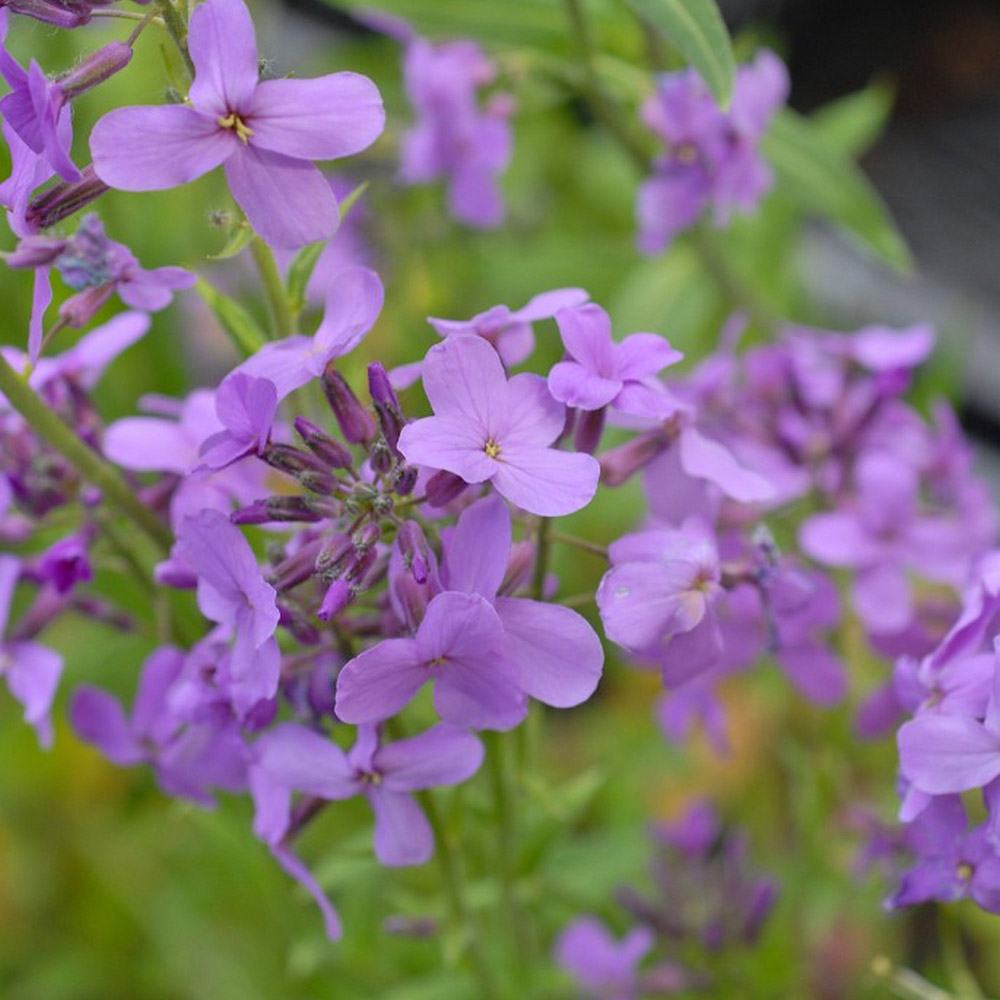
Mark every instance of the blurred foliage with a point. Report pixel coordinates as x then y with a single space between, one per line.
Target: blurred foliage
109 890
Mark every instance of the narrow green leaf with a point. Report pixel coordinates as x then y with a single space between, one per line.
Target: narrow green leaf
813 172
696 29
240 326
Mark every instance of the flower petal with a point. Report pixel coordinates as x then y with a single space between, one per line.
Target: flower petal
318 119
379 682
100 721
947 753
151 149
444 755
546 482
224 52
402 834
478 549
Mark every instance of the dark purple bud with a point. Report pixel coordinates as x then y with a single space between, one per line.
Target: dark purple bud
295 569
61 13
324 447
412 545
334 554
336 598
305 632
443 487
365 537
762 899
620 464
287 458
78 310
355 422
387 409
95 69
360 565
406 480
380 456
35 251
64 199
589 429
260 715
320 482
65 564
278 509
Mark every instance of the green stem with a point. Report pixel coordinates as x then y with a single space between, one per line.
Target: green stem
278 304
87 462
451 869
580 543
542 549
905 983
177 30
963 980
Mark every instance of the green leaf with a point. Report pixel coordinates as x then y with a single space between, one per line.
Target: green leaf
239 325
696 29
854 122
813 172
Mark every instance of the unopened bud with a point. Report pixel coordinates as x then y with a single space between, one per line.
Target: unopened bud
61 13
355 422
443 487
324 447
286 458
64 199
589 428
35 251
406 480
95 69
387 409
380 456
277 509
620 464
336 598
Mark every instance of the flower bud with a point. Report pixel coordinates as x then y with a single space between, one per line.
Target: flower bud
406 480
337 597
65 564
332 556
287 458
78 310
95 69
443 487
380 456
387 409
589 429
35 251
61 13
64 199
620 464
355 422
278 509
324 447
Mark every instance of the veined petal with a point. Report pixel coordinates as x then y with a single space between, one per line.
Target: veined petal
545 481
533 416
319 119
444 755
379 682
130 443
464 377
287 201
586 332
558 655
478 550
151 149
574 385
224 52
402 834
643 354
947 753
448 443
305 761
707 459
352 306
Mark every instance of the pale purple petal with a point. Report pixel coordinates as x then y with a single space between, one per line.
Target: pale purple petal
558 655
288 202
441 756
147 444
573 384
32 677
547 304
305 878
948 753
709 460
317 119
353 303
402 834
883 599
464 377
449 443
586 334
151 718
532 416
100 721
306 761
285 363
816 671
643 354
41 299
480 694
478 549
224 51
545 481
151 149
379 682
837 538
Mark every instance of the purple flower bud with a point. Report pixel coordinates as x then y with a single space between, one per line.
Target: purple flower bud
324 447
620 464
380 456
387 409
66 563
64 199
296 569
61 13
278 509
589 429
355 422
95 69
35 251
412 545
365 537
320 482
172 573
330 560
406 480
287 458
337 597
78 310
443 487
361 564
302 630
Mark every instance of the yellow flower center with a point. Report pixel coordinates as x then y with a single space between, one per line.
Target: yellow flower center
491 448
240 127
965 871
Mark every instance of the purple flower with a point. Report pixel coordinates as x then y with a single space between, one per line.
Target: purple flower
66 563
461 647
711 156
607 969
264 132
603 373
452 137
488 428
662 583
353 302
952 862
245 407
508 330
232 592
558 655
31 670
34 110
187 760
291 758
